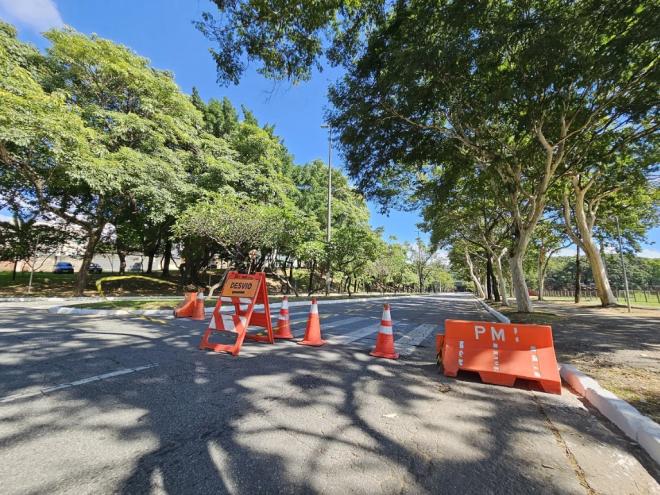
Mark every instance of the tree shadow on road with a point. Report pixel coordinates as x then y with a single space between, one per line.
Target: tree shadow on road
277 419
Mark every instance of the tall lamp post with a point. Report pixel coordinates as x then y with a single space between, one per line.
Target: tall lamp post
329 220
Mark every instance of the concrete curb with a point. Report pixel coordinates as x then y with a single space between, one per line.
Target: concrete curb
634 424
496 314
68 310
82 299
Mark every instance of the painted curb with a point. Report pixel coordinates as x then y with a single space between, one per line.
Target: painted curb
496 314
68 310
634 424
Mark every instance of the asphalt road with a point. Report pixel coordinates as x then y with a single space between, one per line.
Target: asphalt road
130 405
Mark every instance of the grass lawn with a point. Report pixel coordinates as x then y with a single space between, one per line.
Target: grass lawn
537 317
46 284
639 300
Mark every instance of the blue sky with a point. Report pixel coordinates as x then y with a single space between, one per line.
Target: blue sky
162 31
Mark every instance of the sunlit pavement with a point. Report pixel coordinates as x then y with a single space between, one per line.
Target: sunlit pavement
130 405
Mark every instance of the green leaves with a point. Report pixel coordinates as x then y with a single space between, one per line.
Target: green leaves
234 222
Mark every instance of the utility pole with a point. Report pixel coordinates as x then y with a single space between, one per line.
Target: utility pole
623 265
329 220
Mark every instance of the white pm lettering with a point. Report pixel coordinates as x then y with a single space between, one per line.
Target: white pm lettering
497 334
479 330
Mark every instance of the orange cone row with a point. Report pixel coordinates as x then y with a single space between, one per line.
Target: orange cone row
194 307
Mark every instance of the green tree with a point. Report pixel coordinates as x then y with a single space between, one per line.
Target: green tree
518 87
24 238
526 112
43 140
234 223
611 181
352 247
466 209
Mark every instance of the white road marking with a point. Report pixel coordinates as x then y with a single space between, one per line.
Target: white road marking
354 335
408 343
105 376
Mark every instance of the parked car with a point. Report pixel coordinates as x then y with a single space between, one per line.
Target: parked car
136 268
63 267
95 268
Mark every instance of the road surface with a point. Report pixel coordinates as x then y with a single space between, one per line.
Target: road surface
130 405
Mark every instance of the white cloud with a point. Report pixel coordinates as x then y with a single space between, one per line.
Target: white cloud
649 253
38 15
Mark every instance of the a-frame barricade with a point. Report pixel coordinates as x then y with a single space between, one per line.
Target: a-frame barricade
242 292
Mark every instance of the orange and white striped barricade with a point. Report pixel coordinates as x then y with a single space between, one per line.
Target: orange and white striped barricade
501 352
242 293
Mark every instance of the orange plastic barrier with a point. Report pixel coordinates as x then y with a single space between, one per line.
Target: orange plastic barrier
501 352
243 292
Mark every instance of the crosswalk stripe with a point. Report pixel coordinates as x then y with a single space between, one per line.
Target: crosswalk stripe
408 343
347 338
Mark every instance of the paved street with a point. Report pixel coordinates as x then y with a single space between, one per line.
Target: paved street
130 405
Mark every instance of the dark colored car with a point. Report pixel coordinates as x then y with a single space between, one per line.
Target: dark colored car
95 268
136 268
63 267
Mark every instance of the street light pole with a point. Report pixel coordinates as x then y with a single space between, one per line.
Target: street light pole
623 265
329 219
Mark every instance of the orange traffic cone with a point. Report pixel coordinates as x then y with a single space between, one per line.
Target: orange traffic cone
385 339
283 325
313 330
198 309
185 308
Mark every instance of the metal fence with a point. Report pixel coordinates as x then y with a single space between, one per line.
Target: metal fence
636 296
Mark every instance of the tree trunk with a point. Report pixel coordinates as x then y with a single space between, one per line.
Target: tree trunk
122 262
541 284
92 240
500 277
489 278
13 273
475 280
496 291
167 257
586 242
150 262
577 273
523 301
310 284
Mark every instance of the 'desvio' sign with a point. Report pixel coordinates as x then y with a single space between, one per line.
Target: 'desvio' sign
501 352
240 294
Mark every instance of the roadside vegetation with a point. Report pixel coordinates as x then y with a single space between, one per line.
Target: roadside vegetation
517 129
102 153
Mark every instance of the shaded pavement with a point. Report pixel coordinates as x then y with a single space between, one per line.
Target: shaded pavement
283 418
